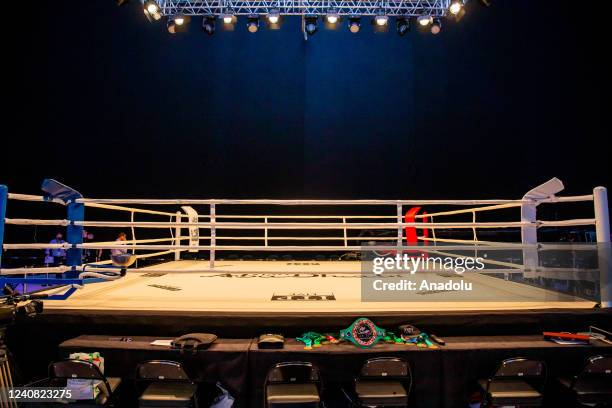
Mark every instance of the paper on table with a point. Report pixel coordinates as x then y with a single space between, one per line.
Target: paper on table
166 343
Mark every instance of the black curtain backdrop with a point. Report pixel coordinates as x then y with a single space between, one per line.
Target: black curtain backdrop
116 107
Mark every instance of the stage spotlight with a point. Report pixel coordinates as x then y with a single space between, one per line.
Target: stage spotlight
424 20
354 24
152 17
332 17
152 11
485 2
455 7
273 17
436 26
152 7
208 25
403 26
171 26
381 20
228 18
180 19
253 24
310 25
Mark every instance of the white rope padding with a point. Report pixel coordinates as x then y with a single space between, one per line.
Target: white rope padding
127 209
567 199
470 210
514 245
301 238
289 225
133 229
55 269
324 202
219 270
35 270
171 248
567 223
467 245
140 241
338 217
304 225
134 244
30 197
90 245
26 221
141 256
37 246
88 201
471 241
288 202
89 274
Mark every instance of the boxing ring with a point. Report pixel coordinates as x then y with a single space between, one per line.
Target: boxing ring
302 256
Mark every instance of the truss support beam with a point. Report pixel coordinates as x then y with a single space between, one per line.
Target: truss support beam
407 8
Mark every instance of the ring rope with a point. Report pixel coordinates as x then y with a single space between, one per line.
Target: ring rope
26 221
175 222
302 225
471 246
470 210
133 230
55 269
31 197
144 256
87 201
227 216
140 241
246 247
471 242
88 274
128 209
554 199
509 269
274 225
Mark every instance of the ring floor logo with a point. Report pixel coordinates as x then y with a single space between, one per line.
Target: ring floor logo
462 273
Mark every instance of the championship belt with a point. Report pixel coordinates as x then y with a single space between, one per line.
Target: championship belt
362 333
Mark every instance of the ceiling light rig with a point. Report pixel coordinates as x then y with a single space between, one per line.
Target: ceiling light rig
310 26
228 18
455 7
176 23
424 20
427 14
381 20
436 26
274 16
332 17
253 24
354 24
208 25
403 26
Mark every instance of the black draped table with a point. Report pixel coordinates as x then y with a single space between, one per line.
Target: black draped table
441 377
226 361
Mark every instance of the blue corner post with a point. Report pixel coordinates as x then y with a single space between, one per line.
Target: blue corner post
76 212
3 200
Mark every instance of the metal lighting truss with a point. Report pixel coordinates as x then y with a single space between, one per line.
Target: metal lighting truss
408 8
